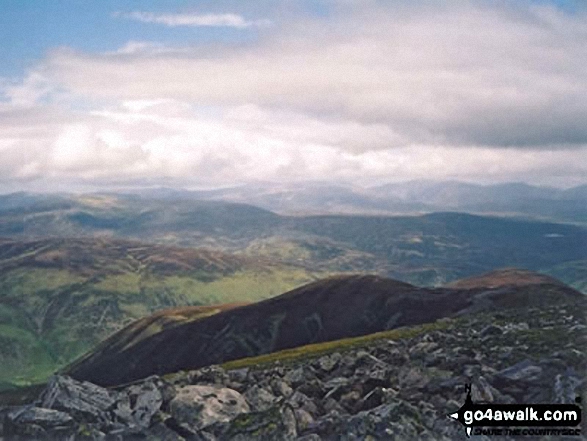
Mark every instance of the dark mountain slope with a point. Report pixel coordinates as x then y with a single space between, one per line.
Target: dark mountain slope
326 310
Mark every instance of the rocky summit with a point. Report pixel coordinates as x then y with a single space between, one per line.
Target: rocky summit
394 385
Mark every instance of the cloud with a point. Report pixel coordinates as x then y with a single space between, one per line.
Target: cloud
472 91
462 74
173 142
173 20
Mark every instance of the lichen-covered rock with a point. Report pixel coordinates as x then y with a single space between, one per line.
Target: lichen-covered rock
275 424
200 406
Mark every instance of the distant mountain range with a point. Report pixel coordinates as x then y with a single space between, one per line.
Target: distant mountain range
414 197
429 249
327 310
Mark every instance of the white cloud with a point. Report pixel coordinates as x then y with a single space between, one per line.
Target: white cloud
459 74
173 20
460 91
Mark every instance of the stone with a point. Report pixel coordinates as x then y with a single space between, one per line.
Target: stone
200 406
309 437
281 388
259 399
373 399
140 402
566 387
328 362
482 391
303 419
524 371
491 330
45 418
84 401
313 388
412 377
209 375
238 375
296 377
275 424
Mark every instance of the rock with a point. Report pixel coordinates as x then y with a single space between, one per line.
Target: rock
349 400
482 391
209 375
420 349
82 400
300 401
259 399
514 327
373 399
336 382
491 330
303 419
281 388
398 420
19 418
566 387
275 424
524 371
313 388
309 437
238 375
161 432
328 362
298 376
200 406
330 405
412 377
140 402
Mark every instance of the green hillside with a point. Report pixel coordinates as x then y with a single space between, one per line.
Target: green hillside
60 297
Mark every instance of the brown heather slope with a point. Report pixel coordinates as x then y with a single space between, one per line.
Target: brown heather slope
326 310
504 277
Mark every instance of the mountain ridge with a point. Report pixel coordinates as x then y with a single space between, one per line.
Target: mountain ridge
326 310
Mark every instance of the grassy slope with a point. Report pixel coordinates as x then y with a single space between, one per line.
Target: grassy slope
59 298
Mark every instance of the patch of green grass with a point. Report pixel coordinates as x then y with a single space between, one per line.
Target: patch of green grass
24 358
242 286
128 282
318 349
27 281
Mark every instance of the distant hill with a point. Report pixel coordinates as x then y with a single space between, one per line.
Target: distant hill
330 309
430 249
171 221
413 197
60 297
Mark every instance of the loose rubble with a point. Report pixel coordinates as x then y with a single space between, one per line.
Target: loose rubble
388 389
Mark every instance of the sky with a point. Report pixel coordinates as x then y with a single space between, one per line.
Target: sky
201 94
